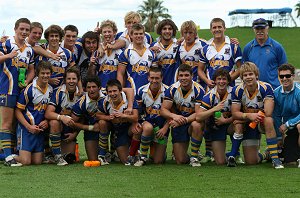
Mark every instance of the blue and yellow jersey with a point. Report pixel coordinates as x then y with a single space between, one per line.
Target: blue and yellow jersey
212 98
87 108
150 104
9 69
107 66
33 102
191 55
255 102
58 67
225 57
137 66
61 100
168 60
125 37
77 49
185 104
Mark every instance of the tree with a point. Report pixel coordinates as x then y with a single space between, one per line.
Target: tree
152 11
297 9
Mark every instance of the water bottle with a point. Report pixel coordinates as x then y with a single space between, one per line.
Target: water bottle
159 140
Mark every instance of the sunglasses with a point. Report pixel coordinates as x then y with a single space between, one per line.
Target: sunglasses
286 76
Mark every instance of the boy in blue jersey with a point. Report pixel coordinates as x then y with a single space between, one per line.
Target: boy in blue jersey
135 61
265 52
149 98
287 113
219 53
248 99
106 66
16 59
30 112
179 104
59 115
112 116
166 50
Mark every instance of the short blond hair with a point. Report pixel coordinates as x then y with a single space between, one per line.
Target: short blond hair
248 67
108 23
187 25
132 15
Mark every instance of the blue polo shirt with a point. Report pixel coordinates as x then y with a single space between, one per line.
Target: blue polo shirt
267 57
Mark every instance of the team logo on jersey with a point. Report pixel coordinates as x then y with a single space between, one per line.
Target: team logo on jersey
28 54
268 50
227 51
116 56
259 99
63 57
197 51
150 58
174 49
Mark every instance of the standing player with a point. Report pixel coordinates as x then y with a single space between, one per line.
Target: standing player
248 99
135 61
106 66
30 111
149 98
265 52
179 105
59 115
219 53
16 59
166 50
112 117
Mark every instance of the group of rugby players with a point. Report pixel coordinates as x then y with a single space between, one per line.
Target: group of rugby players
126 93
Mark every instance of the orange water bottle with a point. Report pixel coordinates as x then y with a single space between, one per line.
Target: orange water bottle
253 124
92 163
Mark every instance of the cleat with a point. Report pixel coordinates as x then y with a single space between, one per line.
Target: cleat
206 159
194 162
49 159
239 160
298 163
11 161
277 164
109 157
115 157
102 160
140 162
173 157
60 160
231 162
130 161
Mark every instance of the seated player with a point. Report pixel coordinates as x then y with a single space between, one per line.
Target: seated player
178 106
113 118
62 135
249 99
30 111
155 127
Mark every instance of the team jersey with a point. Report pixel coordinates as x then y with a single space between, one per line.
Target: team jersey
107 66
150 104
77 49
9 69
62 102
191 56
137 66
254 103
168 60
185 104
225 57
33 100
125 37
58 67
87 108
212 98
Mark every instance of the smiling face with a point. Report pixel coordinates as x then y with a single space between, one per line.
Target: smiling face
217 29
71 82
114 93
70 38
22 31
35 35
221 83
185 79
155 79
90 44
137 37
53 40
249 78
44 76
93 90
261 33
108 34
287 79
189 36
167 33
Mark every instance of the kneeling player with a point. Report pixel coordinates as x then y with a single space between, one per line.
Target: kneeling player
30 111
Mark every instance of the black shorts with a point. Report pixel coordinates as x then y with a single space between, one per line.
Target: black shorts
291 150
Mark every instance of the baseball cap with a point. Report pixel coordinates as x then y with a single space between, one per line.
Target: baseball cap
260 23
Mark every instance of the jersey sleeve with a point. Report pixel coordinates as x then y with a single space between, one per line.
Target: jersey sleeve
236 95
102 106
206 102
54 100
202 55
78 107
123 58
24 98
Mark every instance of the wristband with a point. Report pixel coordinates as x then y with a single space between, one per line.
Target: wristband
91 127
244 116
58 117
187 120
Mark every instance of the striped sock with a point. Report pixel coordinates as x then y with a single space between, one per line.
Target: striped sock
272 148
6 142
103 143
55 139
195 145
145 144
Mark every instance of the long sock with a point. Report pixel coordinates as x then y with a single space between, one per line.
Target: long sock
55 139
103 143
6 138
134 146
238 153
272 147
145 144
262 156
236 142
195 145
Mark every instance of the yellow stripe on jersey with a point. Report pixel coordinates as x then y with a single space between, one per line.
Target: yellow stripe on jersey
21 106
263 85
82 99
10 79
4 48
31 118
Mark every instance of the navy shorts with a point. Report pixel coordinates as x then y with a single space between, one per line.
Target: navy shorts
8 100
27 141
291 150
250 133
90 135
121 135
180 134
217 133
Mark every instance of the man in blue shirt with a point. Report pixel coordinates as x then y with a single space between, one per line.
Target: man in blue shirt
265 52
287 113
